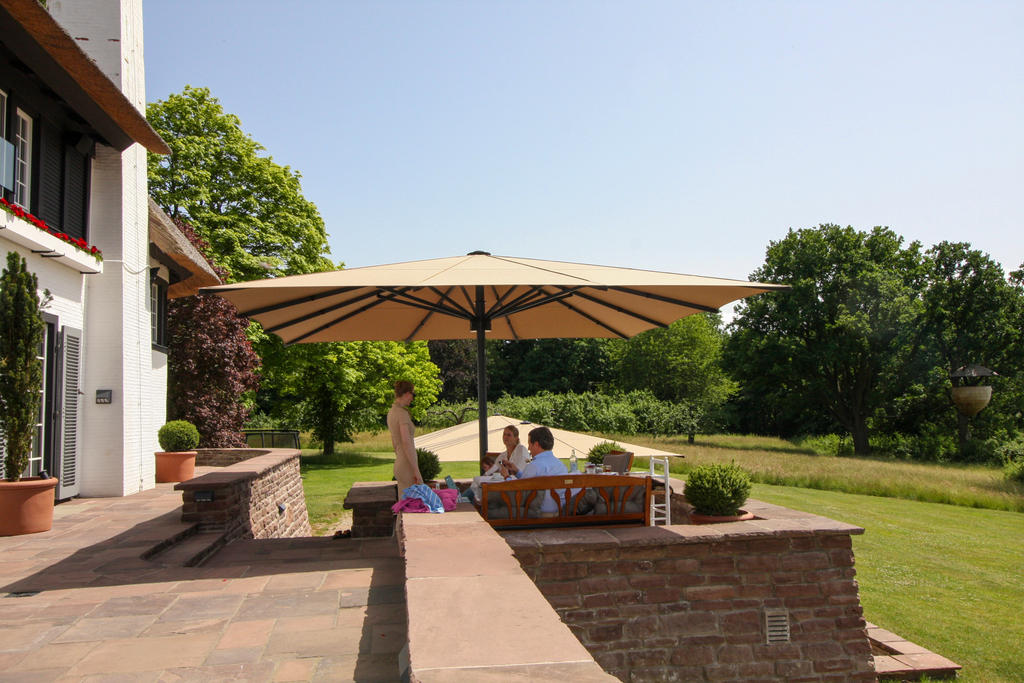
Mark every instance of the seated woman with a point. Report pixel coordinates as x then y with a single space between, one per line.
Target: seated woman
515 453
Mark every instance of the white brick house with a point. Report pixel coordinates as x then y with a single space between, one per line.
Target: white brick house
73 156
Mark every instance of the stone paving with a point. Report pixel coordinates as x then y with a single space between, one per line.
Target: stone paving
78 603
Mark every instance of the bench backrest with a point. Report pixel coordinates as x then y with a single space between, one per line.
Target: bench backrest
579 498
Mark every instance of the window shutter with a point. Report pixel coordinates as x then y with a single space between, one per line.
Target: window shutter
51 175
71 351
76 189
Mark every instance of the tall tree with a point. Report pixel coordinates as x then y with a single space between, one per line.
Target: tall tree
839 339
524 368
211 363
250 209
972 314
456 359
338 388
680 363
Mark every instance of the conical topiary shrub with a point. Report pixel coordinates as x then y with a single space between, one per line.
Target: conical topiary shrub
21 371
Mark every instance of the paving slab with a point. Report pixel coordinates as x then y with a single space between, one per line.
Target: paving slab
78 604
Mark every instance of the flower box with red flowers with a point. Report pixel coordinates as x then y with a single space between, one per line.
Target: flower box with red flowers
76 242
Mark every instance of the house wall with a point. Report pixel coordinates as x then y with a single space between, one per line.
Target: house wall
119 439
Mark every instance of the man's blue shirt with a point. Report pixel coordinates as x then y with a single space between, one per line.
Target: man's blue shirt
544 464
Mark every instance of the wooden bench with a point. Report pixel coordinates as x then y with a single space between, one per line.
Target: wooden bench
581 499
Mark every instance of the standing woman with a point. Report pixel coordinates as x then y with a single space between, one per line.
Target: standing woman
515 452
407 468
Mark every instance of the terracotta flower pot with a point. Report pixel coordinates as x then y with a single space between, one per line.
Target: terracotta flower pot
175 466
26 506
718 519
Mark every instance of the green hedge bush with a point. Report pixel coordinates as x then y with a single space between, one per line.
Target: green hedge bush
429 463
177 436
597 453
717 489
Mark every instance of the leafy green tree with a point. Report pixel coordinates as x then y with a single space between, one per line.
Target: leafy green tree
680 363
971 314
21 371
456 359
840 341
211 365
529 366
338 388
250 209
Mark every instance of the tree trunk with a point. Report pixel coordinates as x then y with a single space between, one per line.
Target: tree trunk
860 436
691 437
963 424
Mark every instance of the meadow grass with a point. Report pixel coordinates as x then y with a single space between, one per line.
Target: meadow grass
775 461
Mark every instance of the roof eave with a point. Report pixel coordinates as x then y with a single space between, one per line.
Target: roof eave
77 79
164 234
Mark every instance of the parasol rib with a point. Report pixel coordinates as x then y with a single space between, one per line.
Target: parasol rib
321 311
666 299
547 298
362 309
529 294
444 296
620 309
407 299
292 302
593 319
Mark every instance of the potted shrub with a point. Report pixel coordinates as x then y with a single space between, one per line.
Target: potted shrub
717 492
177 462
26 503
597 453
429 464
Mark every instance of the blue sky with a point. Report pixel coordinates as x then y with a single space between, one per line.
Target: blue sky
676 136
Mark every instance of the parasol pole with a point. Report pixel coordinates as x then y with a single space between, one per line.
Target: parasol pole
481 325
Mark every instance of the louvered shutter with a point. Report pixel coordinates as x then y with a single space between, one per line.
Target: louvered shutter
51 176
76 192
71 352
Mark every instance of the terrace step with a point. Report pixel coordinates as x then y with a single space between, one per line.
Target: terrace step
187 550
897 659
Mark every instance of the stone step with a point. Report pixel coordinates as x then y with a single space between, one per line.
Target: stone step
897 659
190 550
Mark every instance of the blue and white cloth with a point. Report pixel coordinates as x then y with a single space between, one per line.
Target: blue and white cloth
427 495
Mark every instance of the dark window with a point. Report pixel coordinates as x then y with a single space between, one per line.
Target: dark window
76 192
158 312
51 176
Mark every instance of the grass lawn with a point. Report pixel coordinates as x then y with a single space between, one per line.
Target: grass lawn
949 577
946 577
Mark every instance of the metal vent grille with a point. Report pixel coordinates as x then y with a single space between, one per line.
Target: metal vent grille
776 626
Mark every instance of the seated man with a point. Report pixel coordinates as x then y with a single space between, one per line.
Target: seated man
544 463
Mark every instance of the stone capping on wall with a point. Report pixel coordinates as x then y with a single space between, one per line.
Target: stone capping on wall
260 496
222 457
474 614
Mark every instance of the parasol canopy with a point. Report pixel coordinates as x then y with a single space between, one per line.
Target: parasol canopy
478 296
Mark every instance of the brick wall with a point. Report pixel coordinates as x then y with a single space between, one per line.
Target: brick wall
258 497
370 503
688 603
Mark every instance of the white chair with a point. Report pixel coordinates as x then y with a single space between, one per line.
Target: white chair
661 512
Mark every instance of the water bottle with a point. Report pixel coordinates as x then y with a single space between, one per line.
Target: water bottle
573 465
